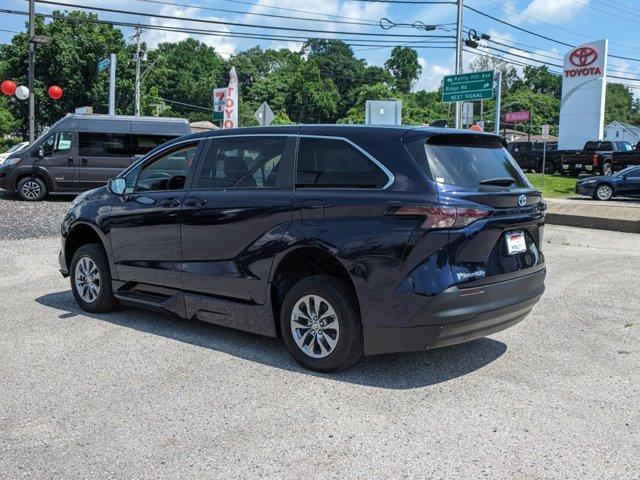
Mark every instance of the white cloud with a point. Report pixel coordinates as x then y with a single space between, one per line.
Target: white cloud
431 76
224 45
555 11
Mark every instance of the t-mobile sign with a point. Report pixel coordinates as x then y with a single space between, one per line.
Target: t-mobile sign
516 117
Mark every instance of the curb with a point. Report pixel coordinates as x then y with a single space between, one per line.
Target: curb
601 216
599 223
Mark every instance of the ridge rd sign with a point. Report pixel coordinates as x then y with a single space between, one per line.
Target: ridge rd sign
468 87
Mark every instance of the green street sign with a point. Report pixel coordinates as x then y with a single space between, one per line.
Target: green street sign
103 64
468 87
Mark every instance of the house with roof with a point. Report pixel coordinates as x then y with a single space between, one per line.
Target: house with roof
622 131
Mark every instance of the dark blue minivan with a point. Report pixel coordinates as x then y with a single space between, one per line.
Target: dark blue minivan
341 240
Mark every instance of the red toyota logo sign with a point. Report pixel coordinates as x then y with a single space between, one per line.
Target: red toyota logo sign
583 56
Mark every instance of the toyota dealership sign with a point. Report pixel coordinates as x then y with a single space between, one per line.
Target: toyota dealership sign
583 93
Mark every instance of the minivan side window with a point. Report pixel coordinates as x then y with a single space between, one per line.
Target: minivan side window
104 144
167 172
242 162
328 162
142 144
57 143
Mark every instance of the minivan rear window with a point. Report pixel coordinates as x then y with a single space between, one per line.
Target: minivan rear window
467 161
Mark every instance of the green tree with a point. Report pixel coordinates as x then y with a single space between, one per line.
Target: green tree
403 65
185 72
315 97
69 60
540 80
336 60
618 104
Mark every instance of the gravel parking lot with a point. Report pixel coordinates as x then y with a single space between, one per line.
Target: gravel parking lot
19 219
140 395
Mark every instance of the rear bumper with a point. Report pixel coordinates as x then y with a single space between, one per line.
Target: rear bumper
459 315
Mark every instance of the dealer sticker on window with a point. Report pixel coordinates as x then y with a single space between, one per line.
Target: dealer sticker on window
516 243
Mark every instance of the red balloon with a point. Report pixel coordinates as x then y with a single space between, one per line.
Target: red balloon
55 92
8 87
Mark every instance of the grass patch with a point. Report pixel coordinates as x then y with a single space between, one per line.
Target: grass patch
555 186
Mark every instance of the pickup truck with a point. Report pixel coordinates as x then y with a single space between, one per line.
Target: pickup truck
596 157
528 155
629 158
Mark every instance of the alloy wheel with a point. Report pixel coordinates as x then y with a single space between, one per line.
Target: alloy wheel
604 192
315 327
87 279
31 189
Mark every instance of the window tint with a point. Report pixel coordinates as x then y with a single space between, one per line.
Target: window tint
168 172
624 146
324 162
104 144
467 162
57 143
242 162
143 144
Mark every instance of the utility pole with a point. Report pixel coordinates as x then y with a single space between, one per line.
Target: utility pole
138 60
32 71
458 69
112 84
498 101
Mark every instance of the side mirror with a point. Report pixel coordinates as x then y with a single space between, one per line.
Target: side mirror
40 152
625 177
117 186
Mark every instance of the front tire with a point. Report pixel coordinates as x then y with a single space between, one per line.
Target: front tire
31 189
91 279
320 324
603 192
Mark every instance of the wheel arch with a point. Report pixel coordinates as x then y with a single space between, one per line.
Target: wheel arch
39 173
299 263
81 234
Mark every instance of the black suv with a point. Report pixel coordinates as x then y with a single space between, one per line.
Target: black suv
342 240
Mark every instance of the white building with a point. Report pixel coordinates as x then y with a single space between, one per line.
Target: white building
622 131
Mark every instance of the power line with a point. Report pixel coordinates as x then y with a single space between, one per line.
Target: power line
234 24
550 39
440 42
269 15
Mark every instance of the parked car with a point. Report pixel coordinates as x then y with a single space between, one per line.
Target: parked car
625 183
16 148
626 158
595 157
81 152
529 155
342 240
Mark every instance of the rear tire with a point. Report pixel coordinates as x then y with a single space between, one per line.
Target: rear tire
320 324
91 279
603 192
607 169
549 168
31 189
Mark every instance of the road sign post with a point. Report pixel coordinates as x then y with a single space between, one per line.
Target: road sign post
468 87
545 137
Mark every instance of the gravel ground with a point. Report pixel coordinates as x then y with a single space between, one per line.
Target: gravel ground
19 219
135 394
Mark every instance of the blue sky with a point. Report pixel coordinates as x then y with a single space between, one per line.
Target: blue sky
570 21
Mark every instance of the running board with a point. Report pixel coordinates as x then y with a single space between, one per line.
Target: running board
173 304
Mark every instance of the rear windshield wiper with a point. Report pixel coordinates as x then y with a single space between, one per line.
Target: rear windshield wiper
502 181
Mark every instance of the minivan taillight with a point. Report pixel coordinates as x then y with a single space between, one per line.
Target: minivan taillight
442 217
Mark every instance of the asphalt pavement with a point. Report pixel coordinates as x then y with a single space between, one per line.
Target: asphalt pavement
139 395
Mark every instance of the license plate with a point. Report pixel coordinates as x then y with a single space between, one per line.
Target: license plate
565 167
578 165
516 243
589 167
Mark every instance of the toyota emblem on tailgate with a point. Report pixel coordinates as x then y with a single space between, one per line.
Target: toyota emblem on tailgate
522 200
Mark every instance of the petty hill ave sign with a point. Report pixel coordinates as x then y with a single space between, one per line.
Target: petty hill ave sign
468 87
